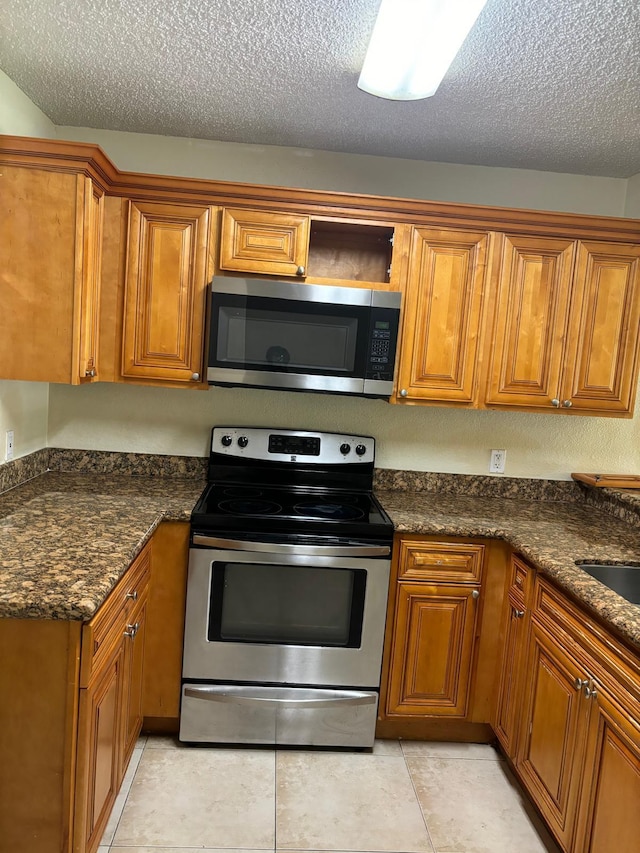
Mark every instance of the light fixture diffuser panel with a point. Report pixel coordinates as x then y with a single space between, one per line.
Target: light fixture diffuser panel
413 44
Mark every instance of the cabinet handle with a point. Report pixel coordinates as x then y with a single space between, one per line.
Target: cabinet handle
195 377
132 595
132 630
404 392
90 373
579 683
555 402
517 613
301 271
475 594
567 404
590 689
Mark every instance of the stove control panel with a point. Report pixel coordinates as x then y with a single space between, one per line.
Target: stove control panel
281 445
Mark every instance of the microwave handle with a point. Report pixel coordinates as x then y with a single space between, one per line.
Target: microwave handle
302 550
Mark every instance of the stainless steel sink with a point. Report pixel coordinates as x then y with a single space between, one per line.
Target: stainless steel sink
625 580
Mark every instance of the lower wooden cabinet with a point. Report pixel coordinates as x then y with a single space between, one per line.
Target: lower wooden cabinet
571 721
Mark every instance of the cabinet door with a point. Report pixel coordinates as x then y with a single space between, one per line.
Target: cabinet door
90 289
609 817
49 272
264 242
509 700
433 645
604 329
133 675
530 316
168 267
442 317
550 755
99 753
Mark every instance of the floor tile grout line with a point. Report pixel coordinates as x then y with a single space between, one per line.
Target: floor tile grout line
415 792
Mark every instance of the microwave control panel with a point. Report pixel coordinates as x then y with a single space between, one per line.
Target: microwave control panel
383 337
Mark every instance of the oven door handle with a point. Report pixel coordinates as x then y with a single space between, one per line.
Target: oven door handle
302 550
245 696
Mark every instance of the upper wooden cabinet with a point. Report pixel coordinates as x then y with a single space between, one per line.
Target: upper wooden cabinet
50 255
254 241
443 304
310 248
168 268
566 326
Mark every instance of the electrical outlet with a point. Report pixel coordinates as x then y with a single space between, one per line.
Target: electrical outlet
9 445
498 459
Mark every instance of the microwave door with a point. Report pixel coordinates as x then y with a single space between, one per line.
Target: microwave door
280 343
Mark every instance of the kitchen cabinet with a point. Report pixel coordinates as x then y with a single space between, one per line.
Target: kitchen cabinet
318 250
110 707
443 307
69 719
565 333
512 660
579 755
436 609
50 258
169 264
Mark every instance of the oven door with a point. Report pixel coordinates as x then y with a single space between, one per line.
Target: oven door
286 614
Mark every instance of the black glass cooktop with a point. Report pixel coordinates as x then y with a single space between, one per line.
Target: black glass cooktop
224 506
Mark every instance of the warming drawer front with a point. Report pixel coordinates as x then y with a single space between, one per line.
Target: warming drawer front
216 713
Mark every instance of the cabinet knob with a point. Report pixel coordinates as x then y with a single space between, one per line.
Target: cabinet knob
475 594
301 271
90 373
567 404
590 690
517 613
132 595
195 377
555 402
132 630
404 392
579 683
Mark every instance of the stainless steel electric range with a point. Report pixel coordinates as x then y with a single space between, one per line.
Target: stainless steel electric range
287 592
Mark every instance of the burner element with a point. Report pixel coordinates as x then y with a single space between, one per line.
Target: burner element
336 511
250 506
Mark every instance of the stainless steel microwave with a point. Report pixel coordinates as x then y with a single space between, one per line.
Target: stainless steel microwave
302 337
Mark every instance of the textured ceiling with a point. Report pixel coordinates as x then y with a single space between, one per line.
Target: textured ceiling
538 84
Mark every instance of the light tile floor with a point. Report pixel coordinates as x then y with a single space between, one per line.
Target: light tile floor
404 797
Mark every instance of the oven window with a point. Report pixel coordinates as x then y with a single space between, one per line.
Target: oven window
291 605
268 334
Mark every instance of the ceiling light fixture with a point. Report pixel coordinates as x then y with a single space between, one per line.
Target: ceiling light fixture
413 44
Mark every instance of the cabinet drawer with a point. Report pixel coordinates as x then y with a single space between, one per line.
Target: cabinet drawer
520 574
604 657
104 632
441 561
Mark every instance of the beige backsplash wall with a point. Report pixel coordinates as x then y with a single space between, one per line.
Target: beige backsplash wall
164 420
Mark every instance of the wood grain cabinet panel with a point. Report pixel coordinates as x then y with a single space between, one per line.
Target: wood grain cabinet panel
264 242
168 268
531 307
442 317
50 253
604 329
434 638
550 757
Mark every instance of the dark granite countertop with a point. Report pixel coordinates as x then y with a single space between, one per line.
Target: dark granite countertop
66 539
551 535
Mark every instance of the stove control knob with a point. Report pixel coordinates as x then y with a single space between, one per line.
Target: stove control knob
226 440
361 449
243 441
345 448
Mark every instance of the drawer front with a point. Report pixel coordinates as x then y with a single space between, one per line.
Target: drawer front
601 655
441 561
102 635
520 574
